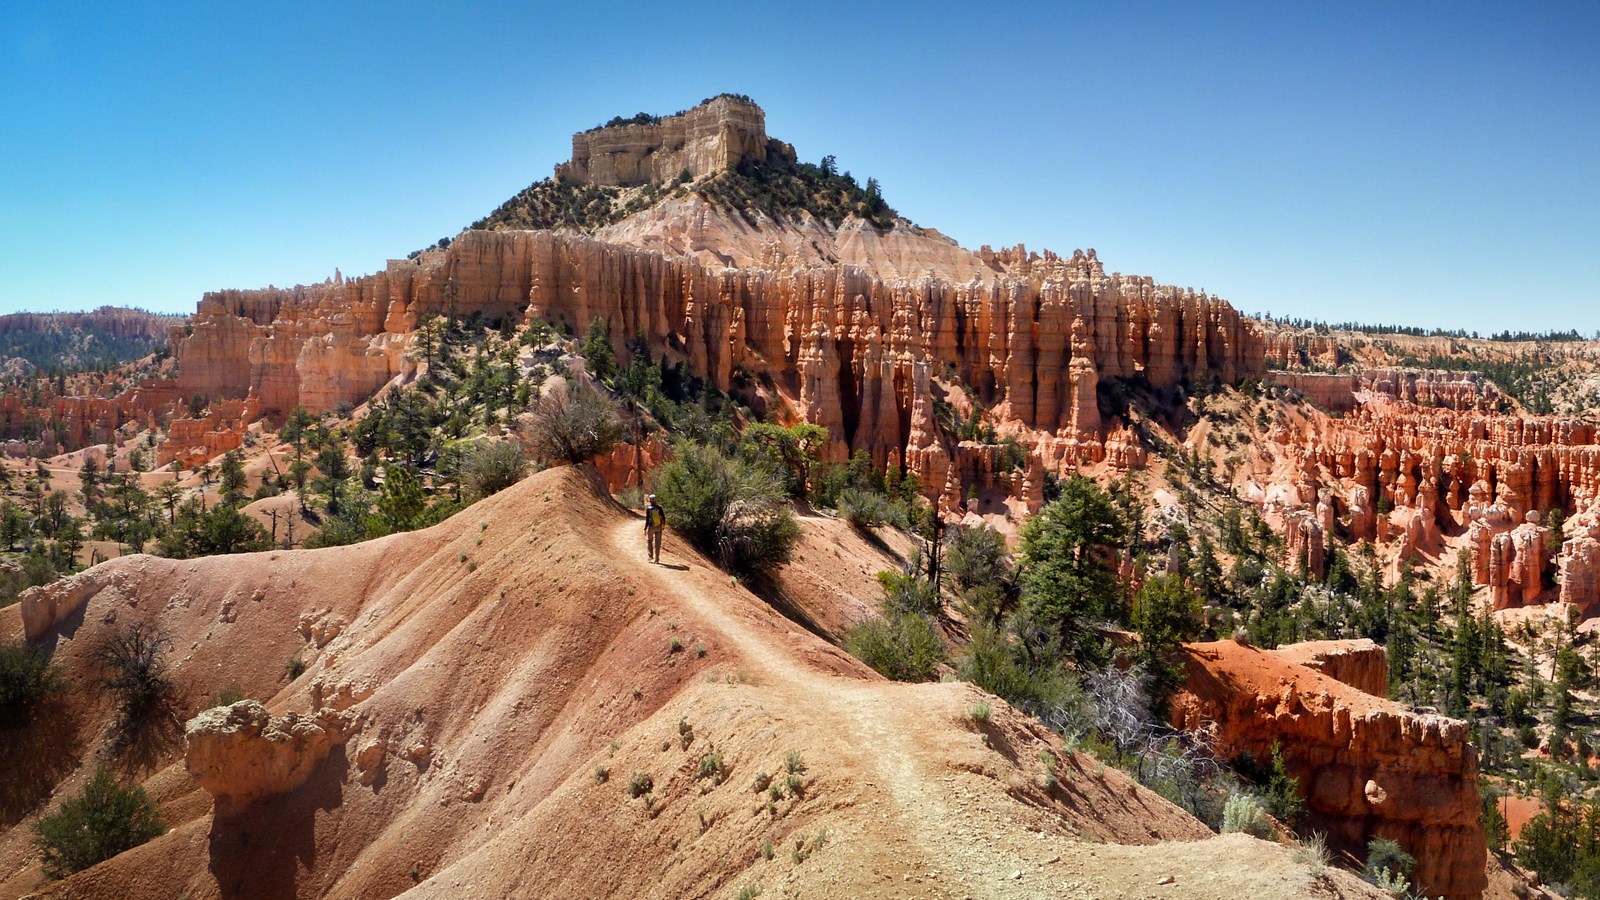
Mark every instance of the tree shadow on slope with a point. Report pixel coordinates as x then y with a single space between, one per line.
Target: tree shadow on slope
35 757
261 850
763 585
1137 403
144 745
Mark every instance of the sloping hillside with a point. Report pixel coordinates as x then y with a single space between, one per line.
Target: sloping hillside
488 668
76 341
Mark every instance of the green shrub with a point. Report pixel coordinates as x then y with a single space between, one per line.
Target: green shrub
791 451
1166 613
492 467
1283 790
865 509
26 677
1387 856
640 784
793 762
909 593
980 711
596 350
94 826
1243 813
221 529
729 508
975 557
1066 569
228 696
1313 853
905 647
1040 687
711 765
1393 882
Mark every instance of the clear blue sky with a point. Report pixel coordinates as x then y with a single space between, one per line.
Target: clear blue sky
1422 164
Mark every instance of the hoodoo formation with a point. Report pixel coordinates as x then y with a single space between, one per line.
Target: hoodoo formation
443 678
842 346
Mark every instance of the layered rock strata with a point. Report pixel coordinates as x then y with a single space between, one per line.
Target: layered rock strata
193 442
1579 562
712 137
844 349
1366 766
1343 392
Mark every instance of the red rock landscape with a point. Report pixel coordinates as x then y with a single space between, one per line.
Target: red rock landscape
513 702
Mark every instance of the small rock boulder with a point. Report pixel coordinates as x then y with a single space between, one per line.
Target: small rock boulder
242 752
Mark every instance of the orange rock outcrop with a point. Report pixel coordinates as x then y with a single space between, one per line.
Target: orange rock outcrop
242 752
845 349
1366 766
858 350
195 442
707 139
1449 468
1342 392
1362 664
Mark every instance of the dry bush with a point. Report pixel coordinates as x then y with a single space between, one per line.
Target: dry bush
575 425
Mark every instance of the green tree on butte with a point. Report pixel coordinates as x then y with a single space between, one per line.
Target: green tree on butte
1066 566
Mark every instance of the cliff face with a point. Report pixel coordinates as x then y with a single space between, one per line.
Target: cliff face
867 332
1361 664
690 226
110 321
711 137
1463 391
1452 470
856 353
1367 767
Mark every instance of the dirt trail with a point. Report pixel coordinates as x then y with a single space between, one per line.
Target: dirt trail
513 668
961 845
860 710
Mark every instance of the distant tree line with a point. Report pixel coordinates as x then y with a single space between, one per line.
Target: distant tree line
1414 331
644 118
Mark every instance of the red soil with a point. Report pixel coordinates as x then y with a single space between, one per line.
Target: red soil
526 642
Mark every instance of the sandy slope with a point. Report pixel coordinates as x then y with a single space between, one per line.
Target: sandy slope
496 660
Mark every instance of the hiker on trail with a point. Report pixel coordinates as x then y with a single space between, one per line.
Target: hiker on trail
655 523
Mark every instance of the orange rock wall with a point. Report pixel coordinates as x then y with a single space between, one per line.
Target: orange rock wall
1366 766
1341 392
1362 664
1443 469
1415 458
844 349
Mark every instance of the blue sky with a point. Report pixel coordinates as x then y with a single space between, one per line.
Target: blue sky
1429 165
